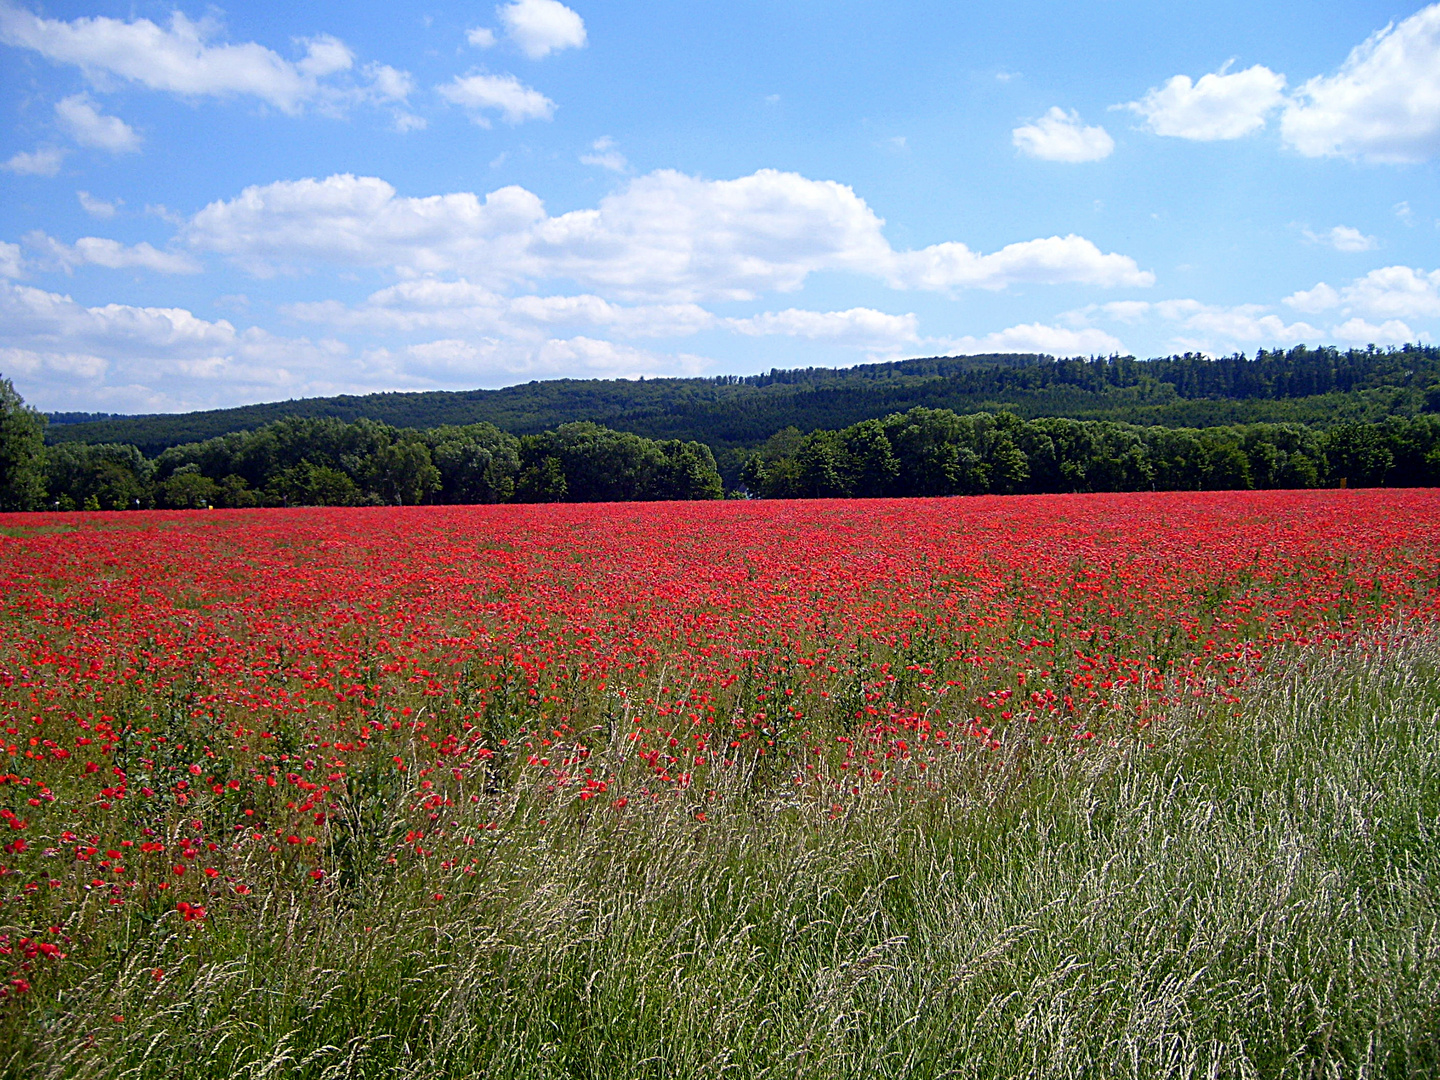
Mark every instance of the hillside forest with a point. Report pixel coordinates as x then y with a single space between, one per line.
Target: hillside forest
919 451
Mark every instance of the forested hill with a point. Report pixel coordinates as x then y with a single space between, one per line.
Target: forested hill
1317 386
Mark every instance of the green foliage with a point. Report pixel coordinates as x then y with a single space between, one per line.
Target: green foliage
1315 386
585 462
937 452
1241 891
478 463
22 451
922 451
327 462
109 475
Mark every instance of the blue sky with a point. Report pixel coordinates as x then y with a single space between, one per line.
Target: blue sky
206 206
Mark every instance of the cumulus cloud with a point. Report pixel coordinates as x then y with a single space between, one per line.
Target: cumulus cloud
1369 311
665 237
1359 332
179 58
1220 105
1390 292
43 162
157 358
12 265
464 308
505 94
1052 260
456 361
99 251
540 27
1037 338
88 126
857 325
605 155
1395 291
97 208
1382 105
37 319
1246 324
388 83
426 305
1313 301
1060 136
481 37
1343 238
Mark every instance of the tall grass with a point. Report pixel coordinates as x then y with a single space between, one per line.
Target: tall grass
1245 891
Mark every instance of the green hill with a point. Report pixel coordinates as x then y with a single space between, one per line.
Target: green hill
731 413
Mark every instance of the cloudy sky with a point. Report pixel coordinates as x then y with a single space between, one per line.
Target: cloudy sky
209 205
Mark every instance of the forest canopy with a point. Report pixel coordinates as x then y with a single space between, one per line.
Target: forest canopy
733 415
1380 426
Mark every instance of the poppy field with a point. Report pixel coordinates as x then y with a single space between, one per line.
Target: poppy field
1136 784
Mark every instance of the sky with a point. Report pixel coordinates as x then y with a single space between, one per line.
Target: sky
206 206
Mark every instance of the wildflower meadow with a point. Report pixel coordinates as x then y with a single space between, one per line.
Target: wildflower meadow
1097 785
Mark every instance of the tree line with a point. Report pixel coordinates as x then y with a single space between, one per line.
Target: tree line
735 414
939 452
920 452
303 461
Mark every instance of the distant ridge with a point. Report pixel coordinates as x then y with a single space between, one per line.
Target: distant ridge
734 412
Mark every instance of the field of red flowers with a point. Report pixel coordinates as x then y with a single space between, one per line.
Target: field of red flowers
203 707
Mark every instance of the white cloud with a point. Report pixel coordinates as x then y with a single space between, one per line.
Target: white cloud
325 55
540 27
481 38
1313 301
1248 324
1382 105
429 305
157 358
857 325
37 319
605 156
1220 106
1395 291
1060 136
177 58
388 86
1126 311
468 363
388 83
463 308
1037 338
1359 332
504 94
30 362
1390 292
1052 260
97 208
1384 296
1343 238
665 237
98 251
43 162
88 126
11 263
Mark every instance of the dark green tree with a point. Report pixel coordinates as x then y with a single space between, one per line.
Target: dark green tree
401 473
1358 455
22 451
478 463
108 476
543 481
187 488
868 465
